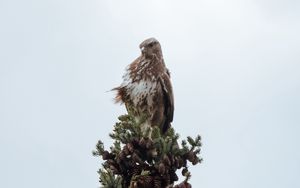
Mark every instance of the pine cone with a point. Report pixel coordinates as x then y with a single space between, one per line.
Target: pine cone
106 155
176 162
145 182
134 142
157 182
111 162
191 156
136 171
126 150
149 143
195 161
121 156
161 168
166 180
142 142
137 159
166 160
183 185
173 176
130 147
114 169
134 185
180 163
152 153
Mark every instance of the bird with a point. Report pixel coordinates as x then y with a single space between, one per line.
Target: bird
146 89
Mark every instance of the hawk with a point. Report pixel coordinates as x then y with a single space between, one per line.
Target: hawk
146 89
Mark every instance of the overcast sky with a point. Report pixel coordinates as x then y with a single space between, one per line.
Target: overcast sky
235 69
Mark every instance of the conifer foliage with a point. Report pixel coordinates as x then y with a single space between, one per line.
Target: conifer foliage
146 159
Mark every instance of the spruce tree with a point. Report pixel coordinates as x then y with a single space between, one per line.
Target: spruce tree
146 159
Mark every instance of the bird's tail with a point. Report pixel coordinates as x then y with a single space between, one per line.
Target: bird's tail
166 126
120 96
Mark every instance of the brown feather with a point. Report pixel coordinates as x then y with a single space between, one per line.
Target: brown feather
168 101
120 96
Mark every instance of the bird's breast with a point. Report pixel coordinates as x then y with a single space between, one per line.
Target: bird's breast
142 91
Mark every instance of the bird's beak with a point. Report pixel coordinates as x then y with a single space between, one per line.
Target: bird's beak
143 49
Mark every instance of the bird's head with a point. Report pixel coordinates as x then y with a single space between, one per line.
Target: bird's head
151 47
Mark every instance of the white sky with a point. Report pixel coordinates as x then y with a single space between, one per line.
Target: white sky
235 70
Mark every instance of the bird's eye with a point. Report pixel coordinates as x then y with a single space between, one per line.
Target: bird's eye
150 45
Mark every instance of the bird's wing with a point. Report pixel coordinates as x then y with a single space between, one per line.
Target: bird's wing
168 100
